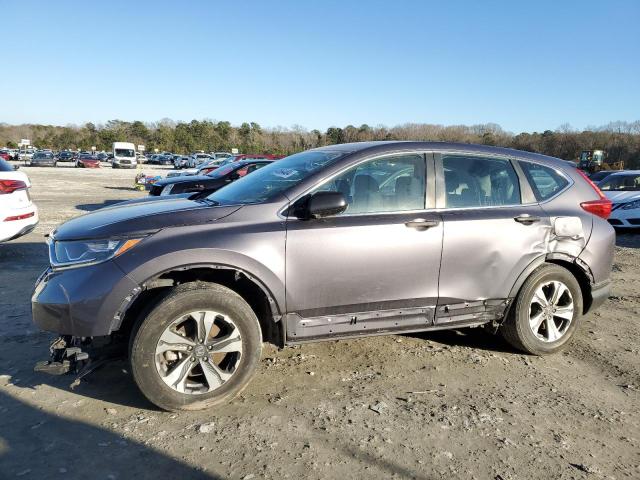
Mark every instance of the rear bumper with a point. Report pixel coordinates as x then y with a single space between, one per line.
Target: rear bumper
17 228
83 302
599 294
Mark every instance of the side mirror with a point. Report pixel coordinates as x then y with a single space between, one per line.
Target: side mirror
322 204
16 167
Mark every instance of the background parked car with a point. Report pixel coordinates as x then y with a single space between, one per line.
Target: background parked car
206 184
25 155
197 159
66 156
180 162
209 166
5 155
43 159
601 175
623 189
86 160
166 159
18 214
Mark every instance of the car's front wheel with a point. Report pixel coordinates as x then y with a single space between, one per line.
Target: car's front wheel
546 311
198 347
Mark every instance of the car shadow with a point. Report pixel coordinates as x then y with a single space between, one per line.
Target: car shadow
35 444
468 337
629 238
91 207
111 383
22 254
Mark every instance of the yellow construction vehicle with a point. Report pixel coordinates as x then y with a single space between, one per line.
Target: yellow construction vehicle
592 161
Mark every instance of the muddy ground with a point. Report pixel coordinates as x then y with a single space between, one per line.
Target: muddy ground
457 404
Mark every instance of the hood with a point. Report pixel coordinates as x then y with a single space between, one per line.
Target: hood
185 178
624 196
128 219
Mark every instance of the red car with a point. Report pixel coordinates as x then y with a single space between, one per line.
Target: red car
5 155
86 160
208 168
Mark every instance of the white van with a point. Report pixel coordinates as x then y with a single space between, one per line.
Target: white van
124 155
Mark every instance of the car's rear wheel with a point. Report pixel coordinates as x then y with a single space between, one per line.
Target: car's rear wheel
198 347
546 311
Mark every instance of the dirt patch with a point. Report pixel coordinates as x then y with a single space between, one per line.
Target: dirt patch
456 404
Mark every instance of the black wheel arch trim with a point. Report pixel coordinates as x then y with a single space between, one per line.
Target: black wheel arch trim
129 300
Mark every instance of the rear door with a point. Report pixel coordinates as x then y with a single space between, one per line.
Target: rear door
373 267
493 229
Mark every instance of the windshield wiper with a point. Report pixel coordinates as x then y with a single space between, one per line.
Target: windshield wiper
206 200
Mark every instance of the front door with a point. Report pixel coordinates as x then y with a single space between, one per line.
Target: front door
373 267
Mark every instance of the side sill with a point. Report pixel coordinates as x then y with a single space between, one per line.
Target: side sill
395 331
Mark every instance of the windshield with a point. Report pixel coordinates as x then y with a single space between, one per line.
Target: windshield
124 152
620 183
221 171
274 179
42 155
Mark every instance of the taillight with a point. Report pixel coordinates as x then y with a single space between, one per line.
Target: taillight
10 186
19 217
600 207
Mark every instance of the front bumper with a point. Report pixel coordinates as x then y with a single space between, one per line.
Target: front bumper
83 302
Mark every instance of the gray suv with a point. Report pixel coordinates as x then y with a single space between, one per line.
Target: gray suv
341 241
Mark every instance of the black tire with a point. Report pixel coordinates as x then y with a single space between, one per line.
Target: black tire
179 301
516 329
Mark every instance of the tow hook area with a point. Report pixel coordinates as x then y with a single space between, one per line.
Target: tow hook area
66 357
80 356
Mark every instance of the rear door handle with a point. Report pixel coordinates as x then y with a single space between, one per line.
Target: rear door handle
422 223
526 219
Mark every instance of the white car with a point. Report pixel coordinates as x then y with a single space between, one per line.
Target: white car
197 159
623 189
18 214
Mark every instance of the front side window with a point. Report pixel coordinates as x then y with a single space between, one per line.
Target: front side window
386 184
473 181
545 181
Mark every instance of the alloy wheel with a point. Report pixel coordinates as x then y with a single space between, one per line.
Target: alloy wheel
551 311
198 352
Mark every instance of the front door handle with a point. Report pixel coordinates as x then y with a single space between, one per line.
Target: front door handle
526 219
421 223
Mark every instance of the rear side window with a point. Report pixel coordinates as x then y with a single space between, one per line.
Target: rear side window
472 181
545 181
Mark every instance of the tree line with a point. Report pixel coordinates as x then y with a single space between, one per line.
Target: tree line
621 140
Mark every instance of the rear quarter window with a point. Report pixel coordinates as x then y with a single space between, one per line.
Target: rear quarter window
545 181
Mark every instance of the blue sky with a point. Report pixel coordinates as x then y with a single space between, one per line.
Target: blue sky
524 65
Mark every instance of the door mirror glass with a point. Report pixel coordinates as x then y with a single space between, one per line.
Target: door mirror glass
322 204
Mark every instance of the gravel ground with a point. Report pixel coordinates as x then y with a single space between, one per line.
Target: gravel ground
458 404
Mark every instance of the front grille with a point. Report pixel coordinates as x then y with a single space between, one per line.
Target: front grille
634 221
613 221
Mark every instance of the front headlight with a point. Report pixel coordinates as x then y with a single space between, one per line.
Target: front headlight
167 189
88 252
631 205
